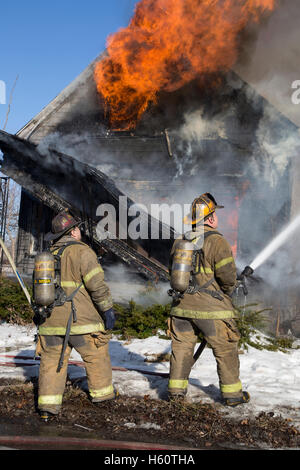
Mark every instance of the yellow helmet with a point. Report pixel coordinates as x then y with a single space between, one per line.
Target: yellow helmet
202 206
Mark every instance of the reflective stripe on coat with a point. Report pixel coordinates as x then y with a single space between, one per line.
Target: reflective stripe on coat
79 264
220 265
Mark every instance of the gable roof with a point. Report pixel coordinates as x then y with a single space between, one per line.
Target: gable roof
82 87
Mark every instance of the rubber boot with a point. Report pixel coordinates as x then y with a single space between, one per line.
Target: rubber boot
245 398
177 397
46 416
115 397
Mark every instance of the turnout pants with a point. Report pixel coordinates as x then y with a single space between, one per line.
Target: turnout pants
222 336
93 349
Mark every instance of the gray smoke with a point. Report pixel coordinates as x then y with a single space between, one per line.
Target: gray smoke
126 286
269 165
269 63
278 145
273 63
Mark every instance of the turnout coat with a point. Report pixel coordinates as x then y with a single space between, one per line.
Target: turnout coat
219 266
79 266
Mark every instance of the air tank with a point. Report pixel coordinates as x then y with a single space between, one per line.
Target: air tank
182 265
44 277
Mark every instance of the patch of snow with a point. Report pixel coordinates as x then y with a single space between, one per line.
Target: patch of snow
271 378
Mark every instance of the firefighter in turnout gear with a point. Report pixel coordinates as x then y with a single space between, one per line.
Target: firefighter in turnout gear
82 322
204 305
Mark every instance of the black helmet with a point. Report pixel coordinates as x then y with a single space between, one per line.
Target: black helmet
61 223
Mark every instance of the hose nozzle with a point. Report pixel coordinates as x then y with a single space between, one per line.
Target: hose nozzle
241 278
247 272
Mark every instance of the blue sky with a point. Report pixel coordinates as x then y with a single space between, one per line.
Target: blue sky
47 44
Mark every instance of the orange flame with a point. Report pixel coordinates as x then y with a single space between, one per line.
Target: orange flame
167 44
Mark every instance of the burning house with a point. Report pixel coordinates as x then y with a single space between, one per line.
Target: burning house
205 131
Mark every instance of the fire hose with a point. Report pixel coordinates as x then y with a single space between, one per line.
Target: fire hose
14 268
248 271
22 284
56 442
28 361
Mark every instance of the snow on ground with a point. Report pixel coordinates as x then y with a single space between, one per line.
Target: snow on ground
271 378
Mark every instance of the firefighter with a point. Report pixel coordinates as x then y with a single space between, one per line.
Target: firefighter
90 317
206 306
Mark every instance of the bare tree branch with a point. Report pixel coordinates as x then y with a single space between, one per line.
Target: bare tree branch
10 102
11 229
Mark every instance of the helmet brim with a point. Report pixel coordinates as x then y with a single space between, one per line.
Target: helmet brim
50 236
188 219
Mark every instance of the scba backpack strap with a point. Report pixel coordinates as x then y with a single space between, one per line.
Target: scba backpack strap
198 262
62 298
60 295
198 259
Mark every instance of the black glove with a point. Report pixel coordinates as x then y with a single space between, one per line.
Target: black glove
40 314
109 319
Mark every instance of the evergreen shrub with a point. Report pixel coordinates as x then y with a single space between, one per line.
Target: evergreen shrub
14 307
251 324
138 321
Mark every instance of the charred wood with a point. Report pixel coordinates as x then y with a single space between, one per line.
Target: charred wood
60 181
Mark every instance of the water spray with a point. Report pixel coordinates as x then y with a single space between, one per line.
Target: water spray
275 243
267 252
